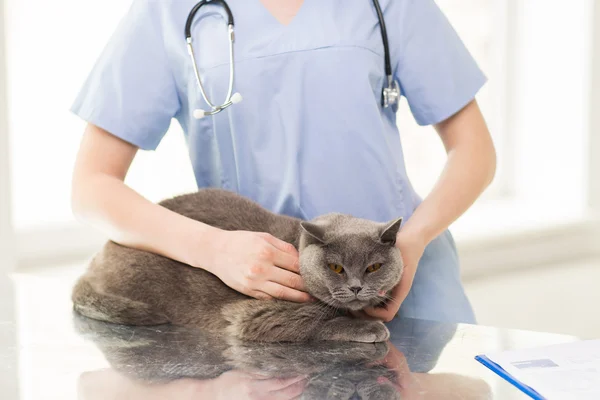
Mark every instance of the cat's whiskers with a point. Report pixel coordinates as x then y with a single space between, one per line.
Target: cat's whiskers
324 304
324 308
390 298
322 315
324 312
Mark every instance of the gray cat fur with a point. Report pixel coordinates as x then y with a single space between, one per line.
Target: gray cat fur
128 286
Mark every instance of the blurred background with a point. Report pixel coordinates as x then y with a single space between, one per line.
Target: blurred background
530 247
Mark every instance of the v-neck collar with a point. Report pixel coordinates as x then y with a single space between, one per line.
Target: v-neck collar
273 20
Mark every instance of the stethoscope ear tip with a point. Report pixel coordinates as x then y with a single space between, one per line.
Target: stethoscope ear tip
199 114
236 98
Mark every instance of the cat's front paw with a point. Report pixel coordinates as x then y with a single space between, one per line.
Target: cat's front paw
370 332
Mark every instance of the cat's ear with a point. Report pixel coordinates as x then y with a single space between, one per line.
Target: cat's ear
315 231
389 232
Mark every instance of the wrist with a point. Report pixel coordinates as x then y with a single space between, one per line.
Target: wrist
199 243
416 232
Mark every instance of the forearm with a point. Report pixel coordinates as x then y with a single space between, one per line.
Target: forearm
253 263
469 169
464 178
107 204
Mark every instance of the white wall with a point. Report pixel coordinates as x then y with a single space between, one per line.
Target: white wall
593 155
7 256
8 377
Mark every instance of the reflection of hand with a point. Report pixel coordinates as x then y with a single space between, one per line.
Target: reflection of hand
242 385
396 361
110 385
413 386
447 386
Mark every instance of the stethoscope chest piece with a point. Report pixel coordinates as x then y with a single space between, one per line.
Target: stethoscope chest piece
391 94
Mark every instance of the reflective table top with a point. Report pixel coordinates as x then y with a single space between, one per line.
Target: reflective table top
47 352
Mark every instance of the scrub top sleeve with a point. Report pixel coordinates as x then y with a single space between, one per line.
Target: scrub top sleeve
437 74
131 91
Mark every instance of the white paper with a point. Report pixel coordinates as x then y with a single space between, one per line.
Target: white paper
568 371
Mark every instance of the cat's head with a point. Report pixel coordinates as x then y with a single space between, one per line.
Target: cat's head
349 262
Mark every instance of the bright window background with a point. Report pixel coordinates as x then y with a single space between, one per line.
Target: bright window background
42 86
534 103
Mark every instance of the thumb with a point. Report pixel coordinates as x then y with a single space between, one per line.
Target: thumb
400 292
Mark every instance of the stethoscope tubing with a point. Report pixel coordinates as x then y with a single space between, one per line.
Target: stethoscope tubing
390 90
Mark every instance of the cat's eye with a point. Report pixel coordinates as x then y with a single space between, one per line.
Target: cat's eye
338 269
374 267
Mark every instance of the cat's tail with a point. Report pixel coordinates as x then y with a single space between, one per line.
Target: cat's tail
108 307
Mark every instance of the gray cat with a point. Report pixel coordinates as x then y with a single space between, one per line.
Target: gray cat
347 263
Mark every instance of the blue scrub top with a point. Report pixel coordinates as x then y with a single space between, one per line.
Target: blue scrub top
310 136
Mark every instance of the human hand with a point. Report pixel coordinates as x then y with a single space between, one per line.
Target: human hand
396 361
411 246
258 265
243 385
429 386
109 384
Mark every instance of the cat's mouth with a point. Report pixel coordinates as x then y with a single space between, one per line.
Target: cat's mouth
354 303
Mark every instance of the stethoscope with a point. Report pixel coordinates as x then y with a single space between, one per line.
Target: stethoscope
390 94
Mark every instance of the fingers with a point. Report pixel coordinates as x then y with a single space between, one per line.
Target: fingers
275 274
259 295
281 292
287 278
281 245
289 392
283 389
266 282
286 261
400 292
388 311
284 255
376 313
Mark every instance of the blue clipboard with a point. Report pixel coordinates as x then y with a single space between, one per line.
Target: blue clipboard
529 391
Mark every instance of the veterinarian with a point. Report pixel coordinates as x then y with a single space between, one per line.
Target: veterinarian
309 134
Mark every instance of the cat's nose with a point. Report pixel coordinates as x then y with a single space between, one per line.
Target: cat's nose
356 289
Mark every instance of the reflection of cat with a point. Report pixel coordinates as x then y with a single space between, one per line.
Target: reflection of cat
347 263
156 354
293 359
352 383
335 370
342 370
